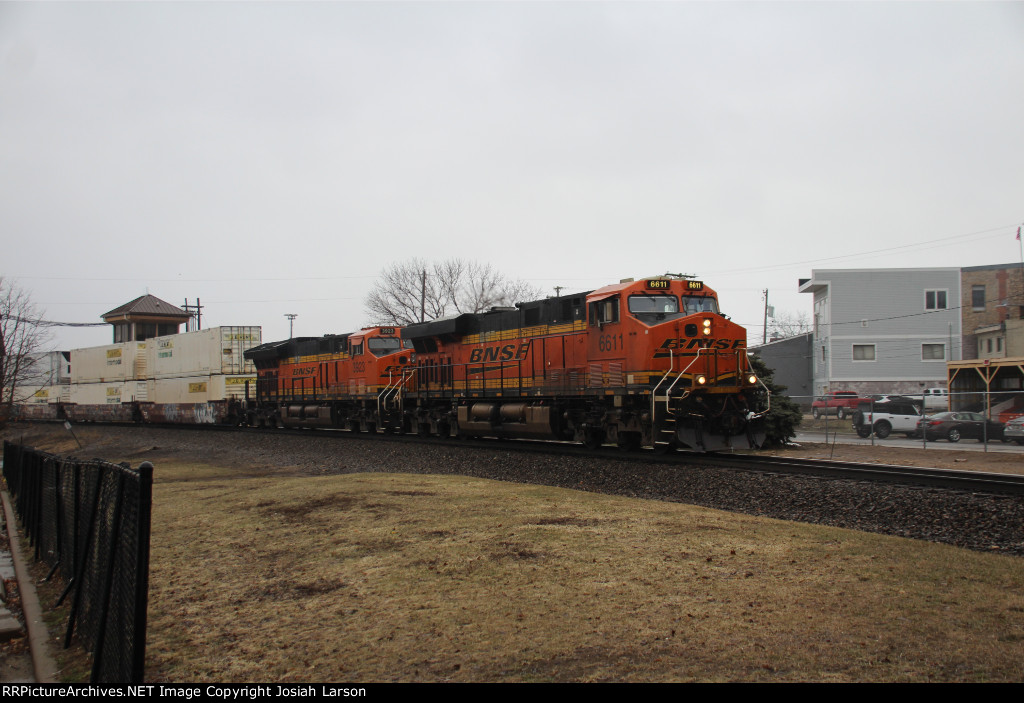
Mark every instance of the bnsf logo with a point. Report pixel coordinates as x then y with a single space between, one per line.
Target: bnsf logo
703 344
304 372
508 352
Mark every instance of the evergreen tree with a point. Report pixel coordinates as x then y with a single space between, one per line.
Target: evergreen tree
784 416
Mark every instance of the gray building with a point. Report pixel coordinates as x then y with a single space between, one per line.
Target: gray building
790 362
884 330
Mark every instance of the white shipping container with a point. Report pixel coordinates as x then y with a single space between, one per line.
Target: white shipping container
113 393
43 395
200 389
217 350
114 362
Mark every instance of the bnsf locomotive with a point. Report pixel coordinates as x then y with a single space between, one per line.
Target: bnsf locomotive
649 363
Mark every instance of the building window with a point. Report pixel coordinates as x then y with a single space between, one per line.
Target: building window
977 297
935 300
988 343
863 352
999 344
933 352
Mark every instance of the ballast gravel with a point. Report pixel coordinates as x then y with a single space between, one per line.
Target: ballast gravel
979 521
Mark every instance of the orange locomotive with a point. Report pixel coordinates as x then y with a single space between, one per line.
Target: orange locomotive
641 363
344 380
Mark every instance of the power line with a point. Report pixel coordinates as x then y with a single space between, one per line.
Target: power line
39 322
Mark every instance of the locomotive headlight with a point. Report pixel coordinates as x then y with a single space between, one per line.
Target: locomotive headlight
707 326
751 379
701 380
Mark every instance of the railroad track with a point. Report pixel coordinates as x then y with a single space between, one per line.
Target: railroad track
978 481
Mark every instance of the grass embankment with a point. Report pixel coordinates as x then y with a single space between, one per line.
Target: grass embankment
376 577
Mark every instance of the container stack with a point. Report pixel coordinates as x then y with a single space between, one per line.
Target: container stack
195 368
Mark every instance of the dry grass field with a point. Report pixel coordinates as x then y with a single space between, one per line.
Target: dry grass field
278 575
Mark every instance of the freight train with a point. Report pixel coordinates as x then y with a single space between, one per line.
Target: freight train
643 363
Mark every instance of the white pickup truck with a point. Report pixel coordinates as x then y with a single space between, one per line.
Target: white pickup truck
884 418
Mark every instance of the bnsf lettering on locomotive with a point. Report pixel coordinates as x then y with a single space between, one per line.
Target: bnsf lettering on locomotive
509 352
303 372
702 344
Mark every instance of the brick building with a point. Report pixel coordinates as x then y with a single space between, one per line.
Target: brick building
992 311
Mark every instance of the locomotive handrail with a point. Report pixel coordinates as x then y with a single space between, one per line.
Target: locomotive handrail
668 393
654 393
392 389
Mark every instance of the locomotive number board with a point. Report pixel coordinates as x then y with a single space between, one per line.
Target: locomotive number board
663 284
387 330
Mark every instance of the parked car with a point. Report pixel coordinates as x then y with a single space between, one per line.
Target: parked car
935 399
954 426
894 398
1014 430
886 417
842 403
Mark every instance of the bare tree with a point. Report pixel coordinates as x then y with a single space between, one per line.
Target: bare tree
789 324
22 337
416 291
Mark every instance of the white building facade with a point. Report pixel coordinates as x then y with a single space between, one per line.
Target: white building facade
884 330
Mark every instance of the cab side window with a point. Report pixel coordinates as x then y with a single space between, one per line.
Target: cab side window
604 311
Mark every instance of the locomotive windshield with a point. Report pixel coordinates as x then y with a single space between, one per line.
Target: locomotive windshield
653 307
380 346
694 304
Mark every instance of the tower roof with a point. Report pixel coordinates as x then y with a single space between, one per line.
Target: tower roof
146 306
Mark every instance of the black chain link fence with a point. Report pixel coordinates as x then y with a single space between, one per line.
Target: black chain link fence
90 521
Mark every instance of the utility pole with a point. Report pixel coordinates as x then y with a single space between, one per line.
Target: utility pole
291 323
764 334
198 315
423 296
558 291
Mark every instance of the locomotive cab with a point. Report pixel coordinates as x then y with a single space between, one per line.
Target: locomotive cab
662 344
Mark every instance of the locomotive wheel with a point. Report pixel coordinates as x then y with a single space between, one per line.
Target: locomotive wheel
593 439
629 441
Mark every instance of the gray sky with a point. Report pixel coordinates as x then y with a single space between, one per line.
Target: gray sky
272 158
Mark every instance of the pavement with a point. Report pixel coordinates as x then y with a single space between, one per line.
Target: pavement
969 445
32 664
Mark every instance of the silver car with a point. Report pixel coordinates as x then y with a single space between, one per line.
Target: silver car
1015 430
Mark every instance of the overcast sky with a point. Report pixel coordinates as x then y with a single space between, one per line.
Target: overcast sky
272 158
